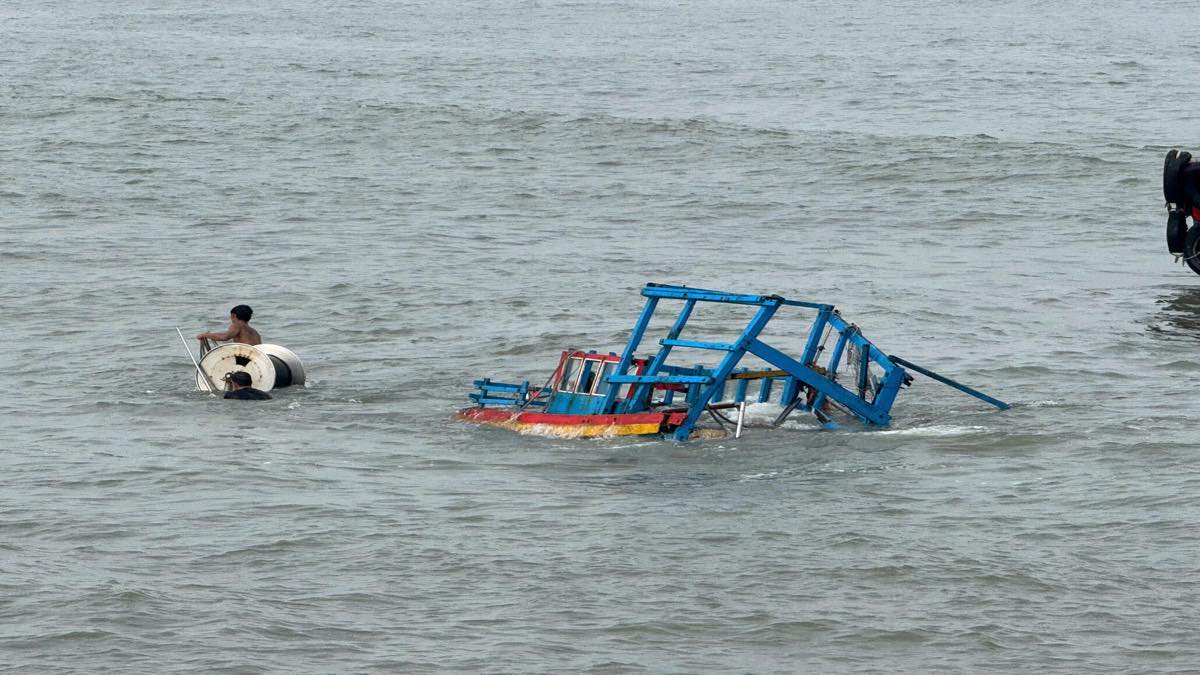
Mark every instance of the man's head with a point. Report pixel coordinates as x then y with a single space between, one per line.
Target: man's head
240 379
241 312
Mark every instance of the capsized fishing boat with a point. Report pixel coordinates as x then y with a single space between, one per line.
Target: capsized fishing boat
594 394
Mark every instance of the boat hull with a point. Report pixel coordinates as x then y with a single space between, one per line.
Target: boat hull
575 426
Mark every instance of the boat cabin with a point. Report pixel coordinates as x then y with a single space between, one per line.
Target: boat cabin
580 383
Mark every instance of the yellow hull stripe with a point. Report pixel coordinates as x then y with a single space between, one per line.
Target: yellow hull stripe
579 430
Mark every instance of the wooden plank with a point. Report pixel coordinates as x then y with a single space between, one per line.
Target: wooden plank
758 374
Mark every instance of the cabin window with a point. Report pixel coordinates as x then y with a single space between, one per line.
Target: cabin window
602 384
588 377
570 371
600 371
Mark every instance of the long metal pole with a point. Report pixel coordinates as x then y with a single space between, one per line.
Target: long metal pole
212 388
947 381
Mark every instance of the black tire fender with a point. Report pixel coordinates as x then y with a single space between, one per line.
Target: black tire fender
1168 186
1176 231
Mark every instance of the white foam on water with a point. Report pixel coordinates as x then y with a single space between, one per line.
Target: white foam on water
936 430
767 475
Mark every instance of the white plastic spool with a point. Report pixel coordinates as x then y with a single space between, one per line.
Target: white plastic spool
270 366
289 371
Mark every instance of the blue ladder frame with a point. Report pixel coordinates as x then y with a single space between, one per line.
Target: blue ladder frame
802 371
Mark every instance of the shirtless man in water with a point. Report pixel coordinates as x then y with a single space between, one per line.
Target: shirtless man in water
239 328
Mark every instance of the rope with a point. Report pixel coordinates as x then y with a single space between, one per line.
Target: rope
1181 258
717 417
542 388
828 330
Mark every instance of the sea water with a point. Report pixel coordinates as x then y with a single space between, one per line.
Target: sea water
413 195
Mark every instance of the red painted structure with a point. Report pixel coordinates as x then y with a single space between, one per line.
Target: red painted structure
629 424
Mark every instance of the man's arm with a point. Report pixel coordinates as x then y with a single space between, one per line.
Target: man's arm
220 337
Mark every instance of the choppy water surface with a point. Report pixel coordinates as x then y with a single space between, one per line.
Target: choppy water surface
413 195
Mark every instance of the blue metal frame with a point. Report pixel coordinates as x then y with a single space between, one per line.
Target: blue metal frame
640 398
522 394
870 404
766 310
635 339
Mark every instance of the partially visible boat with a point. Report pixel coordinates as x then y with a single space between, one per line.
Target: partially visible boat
1181 189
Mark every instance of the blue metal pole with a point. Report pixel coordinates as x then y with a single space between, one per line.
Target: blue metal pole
764 314
835 359
764 389
635 339
811 348
957 385
640 398
875 414
864 371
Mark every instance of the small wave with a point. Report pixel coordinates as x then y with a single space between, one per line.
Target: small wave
1179 366
936 430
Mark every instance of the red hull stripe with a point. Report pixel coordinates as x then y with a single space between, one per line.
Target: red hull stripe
528 417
